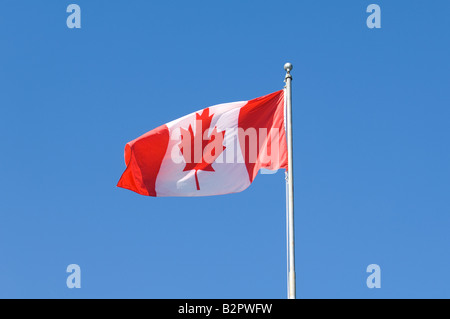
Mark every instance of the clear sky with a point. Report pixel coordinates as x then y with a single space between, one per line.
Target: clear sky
371 137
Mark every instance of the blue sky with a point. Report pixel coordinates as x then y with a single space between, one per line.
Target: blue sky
371 131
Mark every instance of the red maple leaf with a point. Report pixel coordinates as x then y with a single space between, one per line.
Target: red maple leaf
200 151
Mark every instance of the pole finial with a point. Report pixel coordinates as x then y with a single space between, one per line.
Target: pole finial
288 67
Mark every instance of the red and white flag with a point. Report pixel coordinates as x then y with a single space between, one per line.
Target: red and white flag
217 150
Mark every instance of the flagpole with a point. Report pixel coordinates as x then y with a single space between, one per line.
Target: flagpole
290 182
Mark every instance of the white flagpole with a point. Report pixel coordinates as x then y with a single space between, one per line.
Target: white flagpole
290 182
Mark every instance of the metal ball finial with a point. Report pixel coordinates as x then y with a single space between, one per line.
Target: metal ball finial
288 67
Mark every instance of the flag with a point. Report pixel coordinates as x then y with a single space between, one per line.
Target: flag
214 151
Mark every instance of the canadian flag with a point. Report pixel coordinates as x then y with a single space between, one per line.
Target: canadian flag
217 150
